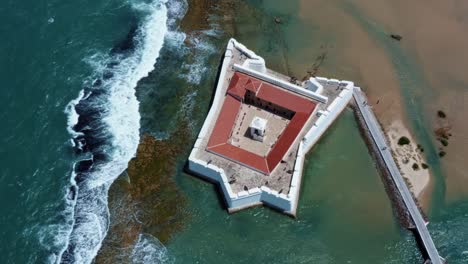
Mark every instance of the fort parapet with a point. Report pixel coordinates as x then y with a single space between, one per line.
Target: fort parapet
250 172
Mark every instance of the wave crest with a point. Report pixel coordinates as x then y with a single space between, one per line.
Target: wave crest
104 123
149 249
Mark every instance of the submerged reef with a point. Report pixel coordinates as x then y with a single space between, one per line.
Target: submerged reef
145 199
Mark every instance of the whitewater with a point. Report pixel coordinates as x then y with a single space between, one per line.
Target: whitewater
104 122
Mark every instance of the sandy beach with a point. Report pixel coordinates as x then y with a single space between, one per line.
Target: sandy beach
426 27
435 34
354 57
409 158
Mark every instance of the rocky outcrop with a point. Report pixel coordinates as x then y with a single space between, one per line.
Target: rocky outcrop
145 198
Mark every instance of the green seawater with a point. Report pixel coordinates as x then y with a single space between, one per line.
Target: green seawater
344 215
47 52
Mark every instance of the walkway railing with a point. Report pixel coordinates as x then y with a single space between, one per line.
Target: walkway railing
385 152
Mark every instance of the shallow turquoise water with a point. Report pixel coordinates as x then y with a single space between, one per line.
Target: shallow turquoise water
47 54
344 215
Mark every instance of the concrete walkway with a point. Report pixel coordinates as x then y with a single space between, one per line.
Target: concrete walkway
385 152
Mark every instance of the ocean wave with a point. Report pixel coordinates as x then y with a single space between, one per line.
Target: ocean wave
201 43
149 249
104 123
72 116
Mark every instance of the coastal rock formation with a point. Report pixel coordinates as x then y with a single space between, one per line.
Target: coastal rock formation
145 199
442 132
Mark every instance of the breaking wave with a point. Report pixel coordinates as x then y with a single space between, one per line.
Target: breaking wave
195 70
149 249
104 123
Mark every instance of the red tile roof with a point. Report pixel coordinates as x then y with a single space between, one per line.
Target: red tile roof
285 99
224 125
218 142
286 139
243 156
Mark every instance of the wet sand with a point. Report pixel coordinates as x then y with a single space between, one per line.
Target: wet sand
434 33
434 37
355 55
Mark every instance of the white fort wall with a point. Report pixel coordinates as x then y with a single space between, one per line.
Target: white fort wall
329 115
219 94
281 83
313 135
264 195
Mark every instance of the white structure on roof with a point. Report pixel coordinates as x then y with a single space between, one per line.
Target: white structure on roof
254 66
257 128
313 85
257 64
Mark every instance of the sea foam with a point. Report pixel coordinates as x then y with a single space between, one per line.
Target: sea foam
149 249
72 115
104 122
